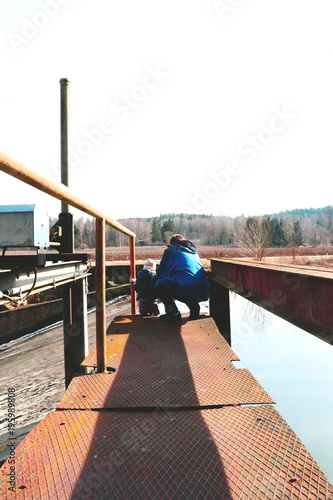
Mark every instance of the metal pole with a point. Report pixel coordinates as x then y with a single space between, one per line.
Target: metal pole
68 333
74 296
64 86
132 271
219 306
100 296
75 328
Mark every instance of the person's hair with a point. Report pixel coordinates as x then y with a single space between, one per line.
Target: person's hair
175 238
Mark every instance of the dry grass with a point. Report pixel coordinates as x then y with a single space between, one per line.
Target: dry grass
322 261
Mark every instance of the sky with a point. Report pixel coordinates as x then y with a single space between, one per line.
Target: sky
219 107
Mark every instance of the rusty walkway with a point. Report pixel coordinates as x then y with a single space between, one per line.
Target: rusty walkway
171 419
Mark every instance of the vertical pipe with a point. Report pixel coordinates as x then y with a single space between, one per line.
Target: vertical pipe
100 296
67 246
64 85
132 272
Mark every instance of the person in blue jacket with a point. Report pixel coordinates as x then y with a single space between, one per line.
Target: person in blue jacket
180 276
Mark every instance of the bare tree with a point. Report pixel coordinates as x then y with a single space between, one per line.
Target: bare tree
329 215
294 235
289 230
254 237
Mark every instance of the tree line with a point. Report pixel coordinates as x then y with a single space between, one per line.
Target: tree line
312 227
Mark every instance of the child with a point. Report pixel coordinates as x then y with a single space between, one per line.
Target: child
145 291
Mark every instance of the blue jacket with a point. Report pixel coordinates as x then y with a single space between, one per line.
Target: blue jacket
181 270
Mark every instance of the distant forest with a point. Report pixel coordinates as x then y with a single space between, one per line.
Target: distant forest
311 226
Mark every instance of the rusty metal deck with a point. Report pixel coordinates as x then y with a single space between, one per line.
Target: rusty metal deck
133 334
182 386
162 429
231 453
163 365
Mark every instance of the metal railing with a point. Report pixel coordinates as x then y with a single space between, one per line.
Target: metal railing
65 195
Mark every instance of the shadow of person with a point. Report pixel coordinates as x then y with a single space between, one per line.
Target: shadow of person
150 440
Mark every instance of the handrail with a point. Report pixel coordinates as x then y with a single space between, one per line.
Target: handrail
61 192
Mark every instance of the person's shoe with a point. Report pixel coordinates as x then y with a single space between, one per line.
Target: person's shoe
171 317
194 311
171 313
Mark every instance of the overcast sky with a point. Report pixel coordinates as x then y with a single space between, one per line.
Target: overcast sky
219 107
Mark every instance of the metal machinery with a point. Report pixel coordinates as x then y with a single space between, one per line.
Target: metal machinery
25 265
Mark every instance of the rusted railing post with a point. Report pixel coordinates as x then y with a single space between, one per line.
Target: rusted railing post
132 271
100 296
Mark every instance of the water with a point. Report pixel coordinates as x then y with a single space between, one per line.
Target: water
294 367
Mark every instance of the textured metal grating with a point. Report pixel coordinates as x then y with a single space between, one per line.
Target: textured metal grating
134 333
166 365
229 453
158 453
176 388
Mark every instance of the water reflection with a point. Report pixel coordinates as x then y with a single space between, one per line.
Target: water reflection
294 367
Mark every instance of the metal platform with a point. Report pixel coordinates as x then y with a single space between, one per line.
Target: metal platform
163 343
231 453
165 365
177 388
162 428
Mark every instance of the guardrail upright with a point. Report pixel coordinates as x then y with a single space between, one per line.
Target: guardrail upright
132 271
100 296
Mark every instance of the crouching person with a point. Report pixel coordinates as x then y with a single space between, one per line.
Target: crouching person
146 293
180 276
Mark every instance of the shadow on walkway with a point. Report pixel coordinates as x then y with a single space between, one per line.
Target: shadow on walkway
141 448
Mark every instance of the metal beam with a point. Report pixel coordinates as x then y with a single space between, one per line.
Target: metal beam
75 328
15 282
219 308
301 295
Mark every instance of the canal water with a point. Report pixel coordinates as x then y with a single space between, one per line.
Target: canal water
294 367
